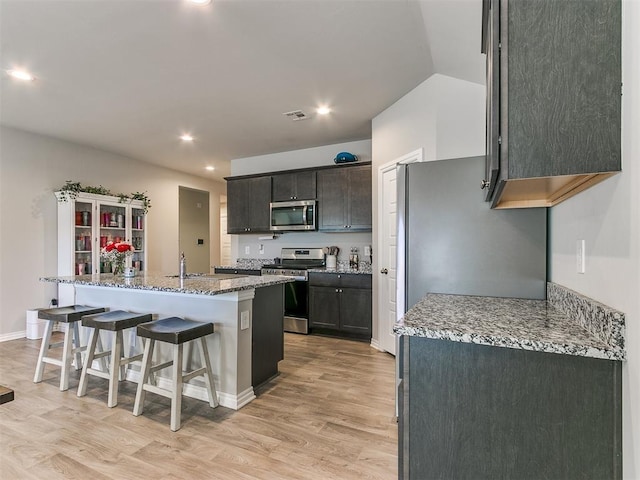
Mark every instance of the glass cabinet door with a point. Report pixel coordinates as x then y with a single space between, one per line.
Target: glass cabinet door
113 226
137 238
83 237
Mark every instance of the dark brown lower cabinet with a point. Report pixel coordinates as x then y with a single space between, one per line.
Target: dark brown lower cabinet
477 412
340 304
267 340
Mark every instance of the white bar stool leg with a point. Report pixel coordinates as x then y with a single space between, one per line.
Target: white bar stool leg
94 335
67 358
114 369
44 347
138 406
176 397
208 375
77 342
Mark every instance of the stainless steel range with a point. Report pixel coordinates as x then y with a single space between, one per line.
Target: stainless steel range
295 262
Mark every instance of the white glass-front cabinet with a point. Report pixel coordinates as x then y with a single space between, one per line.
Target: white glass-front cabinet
88 222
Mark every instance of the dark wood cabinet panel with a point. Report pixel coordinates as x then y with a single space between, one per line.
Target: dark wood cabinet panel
267 335
480 412
340 303
248 205
344 198
324 308
332 208
355 310
359 198
554 90
293 186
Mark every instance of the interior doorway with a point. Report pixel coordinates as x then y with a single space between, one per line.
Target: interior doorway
389 308
194 236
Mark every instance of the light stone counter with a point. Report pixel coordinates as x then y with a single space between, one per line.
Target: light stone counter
567 323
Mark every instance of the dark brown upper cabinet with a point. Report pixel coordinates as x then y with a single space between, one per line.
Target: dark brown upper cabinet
248 204
344 199
553 98
293 186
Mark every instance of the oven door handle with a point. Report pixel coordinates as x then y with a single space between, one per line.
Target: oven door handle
300 278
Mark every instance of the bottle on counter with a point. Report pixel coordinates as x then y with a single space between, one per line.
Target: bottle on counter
183 266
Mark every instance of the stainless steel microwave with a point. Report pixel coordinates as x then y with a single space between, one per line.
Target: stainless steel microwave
296 215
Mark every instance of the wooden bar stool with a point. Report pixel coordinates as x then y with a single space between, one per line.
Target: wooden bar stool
115 321
71 344
176 331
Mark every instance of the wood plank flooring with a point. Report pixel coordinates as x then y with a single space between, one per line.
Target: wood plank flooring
330 414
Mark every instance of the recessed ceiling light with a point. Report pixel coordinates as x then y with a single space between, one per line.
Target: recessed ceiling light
323 110
186 138
21 75
200 2
210 168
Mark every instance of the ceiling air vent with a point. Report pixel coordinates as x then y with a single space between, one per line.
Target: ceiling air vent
296 115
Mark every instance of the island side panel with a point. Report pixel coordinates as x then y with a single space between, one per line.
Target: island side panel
229 347
483 412
267 347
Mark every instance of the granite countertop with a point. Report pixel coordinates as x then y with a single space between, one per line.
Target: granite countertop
194 284
539 325
339 269
238 267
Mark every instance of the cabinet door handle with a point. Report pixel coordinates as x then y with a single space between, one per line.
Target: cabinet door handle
337 290
384 270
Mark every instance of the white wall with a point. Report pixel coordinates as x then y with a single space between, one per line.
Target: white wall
607 217
31 168
444 116
309 157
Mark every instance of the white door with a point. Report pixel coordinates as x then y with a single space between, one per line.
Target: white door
387 212
388 309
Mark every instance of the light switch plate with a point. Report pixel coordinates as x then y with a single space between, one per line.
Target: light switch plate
580 256
244 320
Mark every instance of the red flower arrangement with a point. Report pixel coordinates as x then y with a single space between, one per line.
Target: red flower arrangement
116 254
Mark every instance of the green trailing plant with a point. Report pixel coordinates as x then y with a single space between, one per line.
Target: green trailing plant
70 191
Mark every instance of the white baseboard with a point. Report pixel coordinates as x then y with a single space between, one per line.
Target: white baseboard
5 337
235 402
375 344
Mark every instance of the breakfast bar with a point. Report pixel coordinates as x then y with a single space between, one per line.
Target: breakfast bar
225 300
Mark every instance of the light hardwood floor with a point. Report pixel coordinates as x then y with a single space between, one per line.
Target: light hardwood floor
328 415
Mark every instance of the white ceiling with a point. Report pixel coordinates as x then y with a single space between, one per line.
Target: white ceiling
130 76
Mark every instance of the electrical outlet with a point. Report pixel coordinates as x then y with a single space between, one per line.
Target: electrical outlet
247 250
367 250
244 320
580 256
261 249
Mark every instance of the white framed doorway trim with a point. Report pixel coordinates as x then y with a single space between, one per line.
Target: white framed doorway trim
390 239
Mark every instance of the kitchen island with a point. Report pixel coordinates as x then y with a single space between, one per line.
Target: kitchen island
225 300
510 388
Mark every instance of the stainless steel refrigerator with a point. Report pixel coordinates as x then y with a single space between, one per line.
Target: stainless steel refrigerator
450 241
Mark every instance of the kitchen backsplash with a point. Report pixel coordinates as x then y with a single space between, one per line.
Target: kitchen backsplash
257 263
272 248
